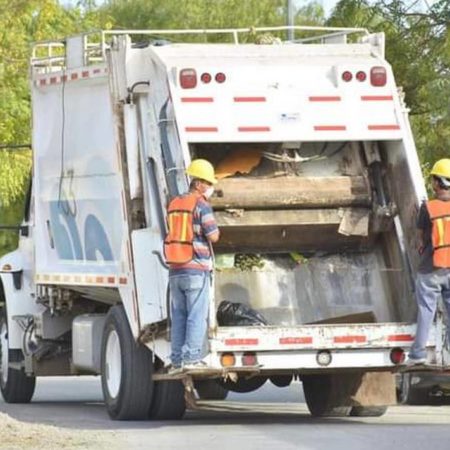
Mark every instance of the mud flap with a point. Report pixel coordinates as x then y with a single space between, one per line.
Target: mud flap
189 393
375 389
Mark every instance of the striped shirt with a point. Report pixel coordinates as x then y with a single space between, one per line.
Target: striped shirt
204 224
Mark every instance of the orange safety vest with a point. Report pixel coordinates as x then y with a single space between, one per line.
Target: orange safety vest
440 235
178 245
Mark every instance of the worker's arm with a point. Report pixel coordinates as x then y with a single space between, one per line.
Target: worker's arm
213 237
208 223
423 224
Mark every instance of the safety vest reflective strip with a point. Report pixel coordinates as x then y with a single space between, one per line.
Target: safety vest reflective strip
439 212
178 245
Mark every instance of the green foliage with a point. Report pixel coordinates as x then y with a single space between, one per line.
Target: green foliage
10 215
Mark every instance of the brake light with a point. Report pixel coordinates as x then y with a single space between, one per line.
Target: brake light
205 78
361 76
188 78
347 76
397 355
220 77
378 76
249 359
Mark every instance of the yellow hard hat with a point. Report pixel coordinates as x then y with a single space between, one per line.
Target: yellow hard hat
203 169
441 168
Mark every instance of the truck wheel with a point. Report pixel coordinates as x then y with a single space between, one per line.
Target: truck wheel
168 399
126 370
210 390
324 395
15 385
368 411
409 395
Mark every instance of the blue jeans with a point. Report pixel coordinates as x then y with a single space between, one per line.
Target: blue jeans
189 310
429 288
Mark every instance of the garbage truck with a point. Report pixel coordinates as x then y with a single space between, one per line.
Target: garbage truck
319 185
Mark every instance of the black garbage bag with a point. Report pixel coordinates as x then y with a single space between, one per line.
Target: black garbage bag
237 314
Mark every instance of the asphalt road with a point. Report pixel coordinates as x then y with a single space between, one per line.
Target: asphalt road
270 418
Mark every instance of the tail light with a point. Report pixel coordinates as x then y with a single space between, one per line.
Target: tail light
347 76
361 76
220 77
205 78
249 359
397 355
188 78
378 76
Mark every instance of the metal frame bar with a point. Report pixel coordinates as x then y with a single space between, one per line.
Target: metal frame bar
95 51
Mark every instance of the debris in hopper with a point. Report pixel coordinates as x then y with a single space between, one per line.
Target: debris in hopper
241 160
298 258
246 262
237 314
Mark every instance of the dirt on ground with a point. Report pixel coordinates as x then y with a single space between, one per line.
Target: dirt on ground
23 436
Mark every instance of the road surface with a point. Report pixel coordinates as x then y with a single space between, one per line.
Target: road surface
270 418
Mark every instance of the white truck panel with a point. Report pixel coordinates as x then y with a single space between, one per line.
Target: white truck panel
79 201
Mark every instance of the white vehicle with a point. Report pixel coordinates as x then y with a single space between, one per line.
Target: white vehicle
318 163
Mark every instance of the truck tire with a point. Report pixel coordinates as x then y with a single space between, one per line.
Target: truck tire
324 395
126 370
210 390
168 401
409 395
15 385
368 411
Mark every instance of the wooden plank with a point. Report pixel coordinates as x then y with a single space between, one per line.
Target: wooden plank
307 230
291 192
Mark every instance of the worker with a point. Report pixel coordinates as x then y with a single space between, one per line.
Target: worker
188 251
433 279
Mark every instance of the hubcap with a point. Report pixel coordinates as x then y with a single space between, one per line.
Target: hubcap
113 364
3 353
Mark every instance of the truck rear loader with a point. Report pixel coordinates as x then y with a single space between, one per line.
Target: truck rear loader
319 187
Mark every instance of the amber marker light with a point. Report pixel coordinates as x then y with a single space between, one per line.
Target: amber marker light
228 360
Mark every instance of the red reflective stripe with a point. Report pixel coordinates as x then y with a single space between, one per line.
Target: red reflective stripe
197 99
253 129
296 340
349 339
122 280
201 129
376 98
383 127
53 80
95 71
330 127
249 99
324 98
400 338
42 82
74 76
85 74
245 341
111 280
